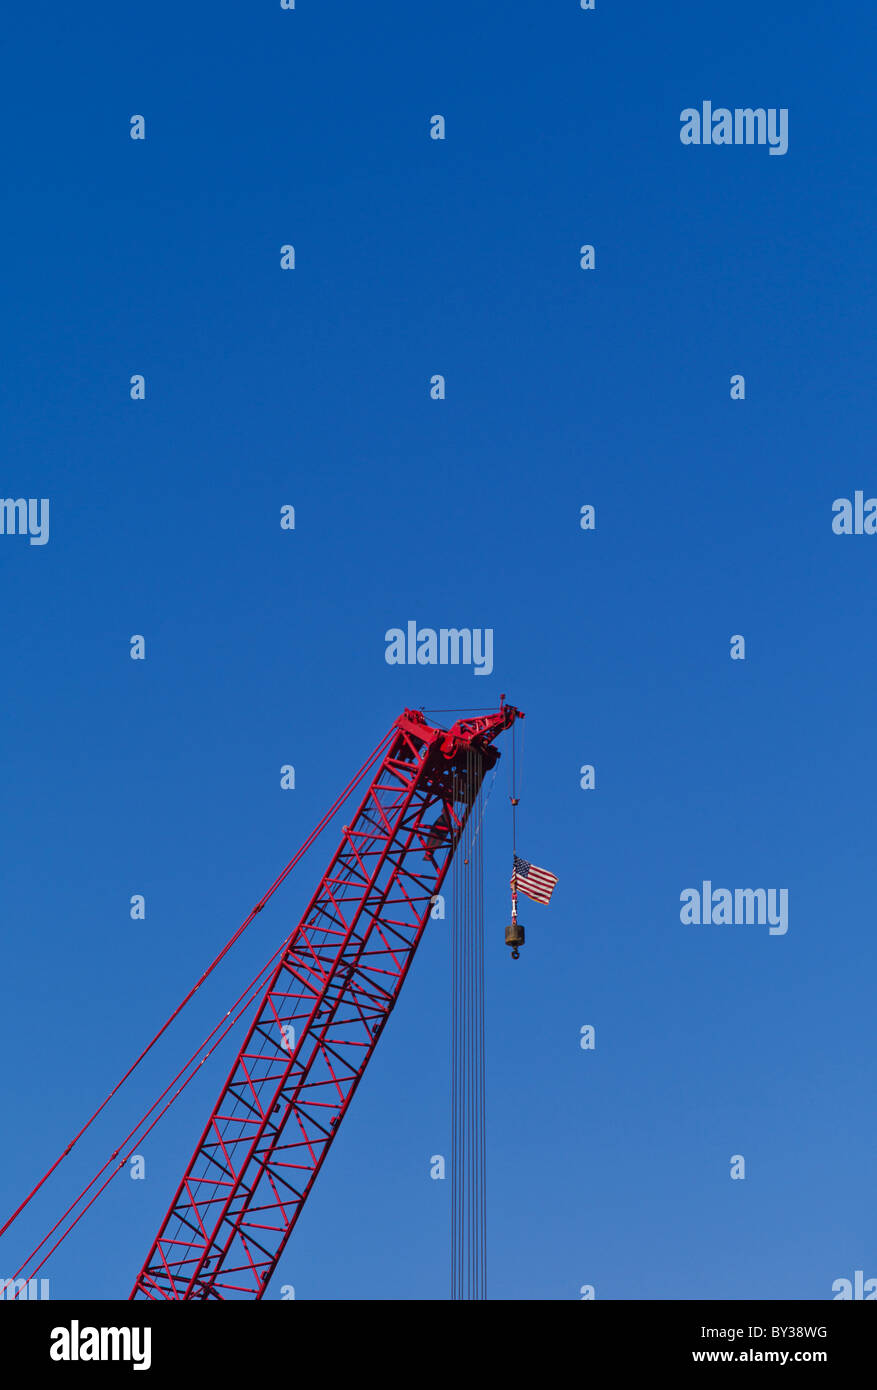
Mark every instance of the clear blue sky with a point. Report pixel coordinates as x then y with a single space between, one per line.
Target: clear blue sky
264 647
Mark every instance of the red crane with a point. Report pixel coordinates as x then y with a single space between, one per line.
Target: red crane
321 1015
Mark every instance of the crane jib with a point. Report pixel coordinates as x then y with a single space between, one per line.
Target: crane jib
321 1015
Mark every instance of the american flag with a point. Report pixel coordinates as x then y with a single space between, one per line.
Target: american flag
538 884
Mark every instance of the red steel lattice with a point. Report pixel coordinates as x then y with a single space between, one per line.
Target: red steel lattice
320 1018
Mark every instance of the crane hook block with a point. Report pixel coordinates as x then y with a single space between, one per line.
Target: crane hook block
514 937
